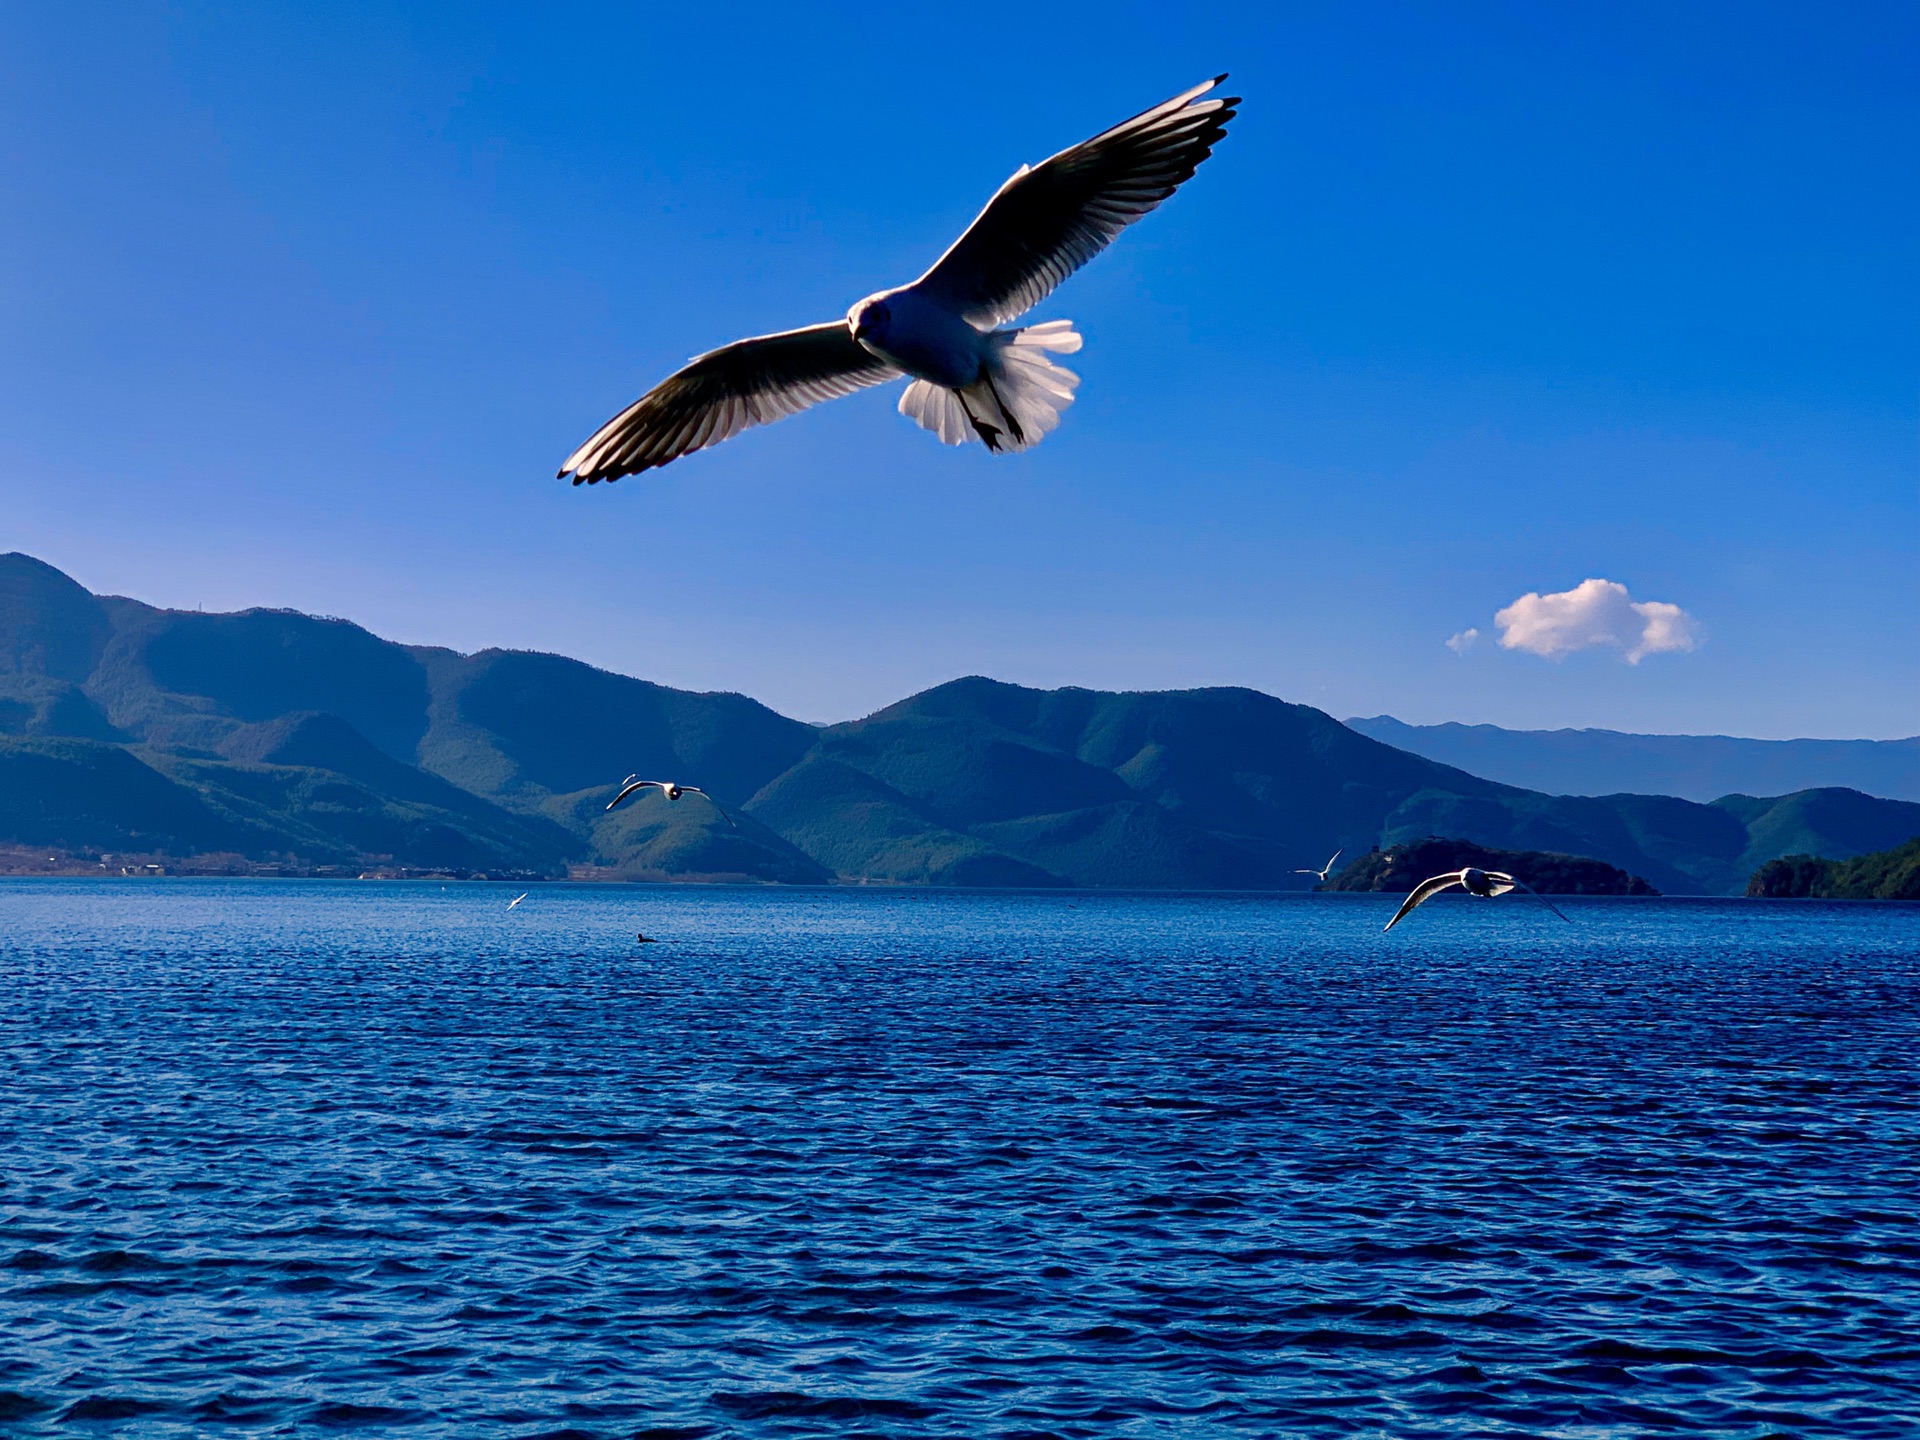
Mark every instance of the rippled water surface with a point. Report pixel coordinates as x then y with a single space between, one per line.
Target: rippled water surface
305 1158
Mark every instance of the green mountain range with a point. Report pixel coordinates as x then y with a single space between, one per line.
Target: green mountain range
286 738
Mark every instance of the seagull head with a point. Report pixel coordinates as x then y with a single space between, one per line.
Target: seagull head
870 318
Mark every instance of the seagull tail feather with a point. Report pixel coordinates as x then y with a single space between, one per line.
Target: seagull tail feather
1017 399
936 408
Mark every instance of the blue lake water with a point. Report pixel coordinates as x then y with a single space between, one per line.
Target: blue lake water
314 1158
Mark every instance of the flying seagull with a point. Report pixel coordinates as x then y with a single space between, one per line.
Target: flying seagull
672 792
1484 883
1325 872
970 380
518 898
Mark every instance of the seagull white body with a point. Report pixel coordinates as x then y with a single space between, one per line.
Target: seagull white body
518 898
672 791
970 379
920 336
1482 883
1326 869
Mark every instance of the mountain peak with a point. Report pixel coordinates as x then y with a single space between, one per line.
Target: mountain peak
50 624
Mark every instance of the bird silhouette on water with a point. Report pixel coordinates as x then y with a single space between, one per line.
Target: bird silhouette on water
970 380
1484 884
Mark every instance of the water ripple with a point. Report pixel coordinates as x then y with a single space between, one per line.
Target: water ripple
319 1159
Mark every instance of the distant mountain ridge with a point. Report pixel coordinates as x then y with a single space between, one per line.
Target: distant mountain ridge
1694 767
280 736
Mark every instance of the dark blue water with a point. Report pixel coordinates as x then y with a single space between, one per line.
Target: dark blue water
306 1158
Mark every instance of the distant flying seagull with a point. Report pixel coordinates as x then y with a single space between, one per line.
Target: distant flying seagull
672 792
1326 872
518 898
1484 883
970 380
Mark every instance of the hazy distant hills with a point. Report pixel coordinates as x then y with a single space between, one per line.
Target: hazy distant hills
1694 767
280 736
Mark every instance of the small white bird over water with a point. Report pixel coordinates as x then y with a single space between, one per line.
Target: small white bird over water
672 792
970 380
518 898
1475 881
1326 870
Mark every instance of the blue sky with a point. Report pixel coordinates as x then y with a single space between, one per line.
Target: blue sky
302 305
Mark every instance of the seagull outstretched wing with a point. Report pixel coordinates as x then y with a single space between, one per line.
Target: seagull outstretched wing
1324 871
750 382
1422 893
1504 882
1050 219
631 786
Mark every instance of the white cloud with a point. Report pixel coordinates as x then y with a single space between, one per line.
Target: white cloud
1464 641
1595 612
